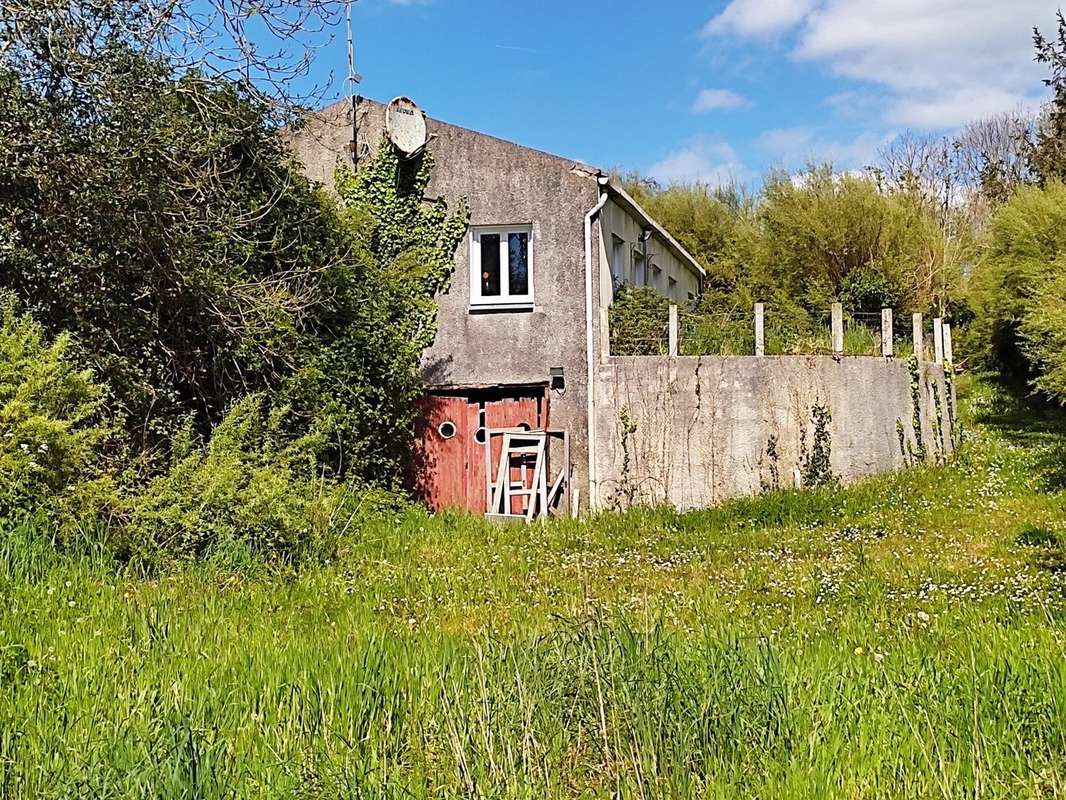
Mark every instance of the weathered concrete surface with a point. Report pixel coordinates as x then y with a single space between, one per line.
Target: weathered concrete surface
503 183
703 425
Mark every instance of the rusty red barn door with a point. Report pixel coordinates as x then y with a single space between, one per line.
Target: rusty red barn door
448 468
444 439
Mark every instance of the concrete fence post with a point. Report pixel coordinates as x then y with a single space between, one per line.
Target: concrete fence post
919 337
838 329
949 355
605 334
673 331
887 342
938 340
760 331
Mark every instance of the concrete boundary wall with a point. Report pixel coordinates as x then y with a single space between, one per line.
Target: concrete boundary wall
694 431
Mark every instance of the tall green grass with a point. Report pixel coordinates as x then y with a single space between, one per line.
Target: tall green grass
900 638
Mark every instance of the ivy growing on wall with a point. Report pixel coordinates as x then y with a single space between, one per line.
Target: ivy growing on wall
916 408
938 423
362 388
774 481
410 242
817 469
627 488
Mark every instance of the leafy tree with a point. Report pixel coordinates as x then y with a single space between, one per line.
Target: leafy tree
156 215
159 220
831 237
1048 154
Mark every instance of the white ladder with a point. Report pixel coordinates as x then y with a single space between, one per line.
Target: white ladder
518 443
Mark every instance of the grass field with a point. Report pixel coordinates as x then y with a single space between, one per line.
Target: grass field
900 638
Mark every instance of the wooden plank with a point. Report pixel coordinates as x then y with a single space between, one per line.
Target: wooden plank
570 496
487 477
556 486
538 477
502 470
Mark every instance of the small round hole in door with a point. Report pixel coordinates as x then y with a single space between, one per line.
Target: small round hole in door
447 430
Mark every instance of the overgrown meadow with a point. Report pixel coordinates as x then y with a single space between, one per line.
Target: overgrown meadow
899 638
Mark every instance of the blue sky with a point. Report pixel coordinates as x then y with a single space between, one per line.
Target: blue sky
687 90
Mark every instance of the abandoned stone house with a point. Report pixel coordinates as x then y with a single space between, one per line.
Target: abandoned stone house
522 345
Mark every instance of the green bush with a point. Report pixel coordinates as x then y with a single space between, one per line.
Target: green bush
50 417
249 484
1018 290
638 319
1043 334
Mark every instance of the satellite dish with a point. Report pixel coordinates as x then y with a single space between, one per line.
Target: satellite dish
405 125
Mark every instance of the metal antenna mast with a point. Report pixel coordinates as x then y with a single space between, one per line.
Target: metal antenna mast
354 79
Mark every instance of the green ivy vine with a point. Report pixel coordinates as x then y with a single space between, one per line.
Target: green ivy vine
938 422
817 469
411 240
916 408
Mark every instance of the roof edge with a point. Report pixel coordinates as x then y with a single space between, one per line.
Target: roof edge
615 189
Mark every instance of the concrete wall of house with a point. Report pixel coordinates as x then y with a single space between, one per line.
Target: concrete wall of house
699 428
503 183
620 259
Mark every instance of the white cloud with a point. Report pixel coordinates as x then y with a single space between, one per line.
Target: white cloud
940 63
758 17
702 160
795 147
952 108
719 100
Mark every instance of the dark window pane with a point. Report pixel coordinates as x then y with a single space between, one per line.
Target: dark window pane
518 262
490 265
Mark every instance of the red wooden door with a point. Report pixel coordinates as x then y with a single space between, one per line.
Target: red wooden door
444 444
448 467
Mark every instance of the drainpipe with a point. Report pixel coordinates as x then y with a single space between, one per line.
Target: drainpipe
589 359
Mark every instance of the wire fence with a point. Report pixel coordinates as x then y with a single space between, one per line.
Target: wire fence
715 334
734 334
641 340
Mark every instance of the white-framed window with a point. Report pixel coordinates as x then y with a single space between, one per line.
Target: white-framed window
501 267
618 259
640 272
